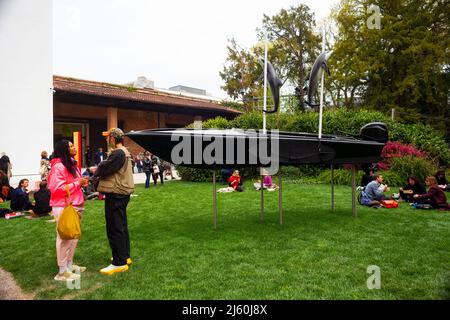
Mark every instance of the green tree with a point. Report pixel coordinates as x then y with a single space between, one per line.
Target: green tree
404 64
241 75
295 44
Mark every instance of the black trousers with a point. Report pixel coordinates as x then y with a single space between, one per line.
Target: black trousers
117 227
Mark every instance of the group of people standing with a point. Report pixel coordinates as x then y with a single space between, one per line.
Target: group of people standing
62 183
152 166
115 181
92 159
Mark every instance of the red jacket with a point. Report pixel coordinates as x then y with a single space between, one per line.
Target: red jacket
234 181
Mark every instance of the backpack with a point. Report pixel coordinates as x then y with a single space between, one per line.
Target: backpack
389 204
363 198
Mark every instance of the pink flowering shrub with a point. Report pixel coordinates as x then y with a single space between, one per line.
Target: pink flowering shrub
398 150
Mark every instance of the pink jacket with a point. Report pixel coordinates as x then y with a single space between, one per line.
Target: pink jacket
57 180
268 181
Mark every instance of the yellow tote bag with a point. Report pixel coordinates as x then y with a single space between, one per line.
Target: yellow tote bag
69 226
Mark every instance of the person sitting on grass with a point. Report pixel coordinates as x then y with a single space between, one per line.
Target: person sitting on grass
42 201
167 170
375 190
4 187
434 197
267 182
413 187
235 181
19 197
442 180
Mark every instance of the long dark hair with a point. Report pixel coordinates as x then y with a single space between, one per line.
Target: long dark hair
4 161
62 152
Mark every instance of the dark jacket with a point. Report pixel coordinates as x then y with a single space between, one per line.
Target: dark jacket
42 199
147 165
366 179
436 197
97 157
441 180
20 200
417 188
88 157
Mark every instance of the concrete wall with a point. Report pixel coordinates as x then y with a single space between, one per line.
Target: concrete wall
26 70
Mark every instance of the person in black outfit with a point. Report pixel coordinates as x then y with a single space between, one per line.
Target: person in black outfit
88 157
99 156
369 172
413 187
155 169
116 182
19 197
148 169
42 201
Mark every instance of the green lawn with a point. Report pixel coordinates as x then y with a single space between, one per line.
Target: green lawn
316 254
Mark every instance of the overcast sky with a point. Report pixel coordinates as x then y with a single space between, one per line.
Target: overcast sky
171 42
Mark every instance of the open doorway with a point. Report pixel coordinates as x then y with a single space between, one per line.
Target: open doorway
65 130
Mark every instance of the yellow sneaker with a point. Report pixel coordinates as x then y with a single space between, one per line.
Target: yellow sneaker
129 261
111 269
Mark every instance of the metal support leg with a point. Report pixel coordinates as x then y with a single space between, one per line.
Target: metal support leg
280 198
354 213
332 187
214 200
261 214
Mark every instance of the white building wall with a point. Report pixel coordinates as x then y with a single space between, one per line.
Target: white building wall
26 79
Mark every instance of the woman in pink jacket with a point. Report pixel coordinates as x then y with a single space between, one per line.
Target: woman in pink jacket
65 173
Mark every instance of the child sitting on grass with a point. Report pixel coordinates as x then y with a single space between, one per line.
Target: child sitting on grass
267 182
42 201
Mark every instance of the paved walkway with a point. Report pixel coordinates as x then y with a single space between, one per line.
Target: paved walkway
9 289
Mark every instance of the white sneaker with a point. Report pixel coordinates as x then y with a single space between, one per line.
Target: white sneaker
78 268
66 276
111 269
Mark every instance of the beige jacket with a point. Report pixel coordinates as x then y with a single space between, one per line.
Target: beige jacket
120 182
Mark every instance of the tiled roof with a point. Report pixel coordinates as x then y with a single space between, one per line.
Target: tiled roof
128 93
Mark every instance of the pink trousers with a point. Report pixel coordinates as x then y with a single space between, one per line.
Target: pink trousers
65 249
